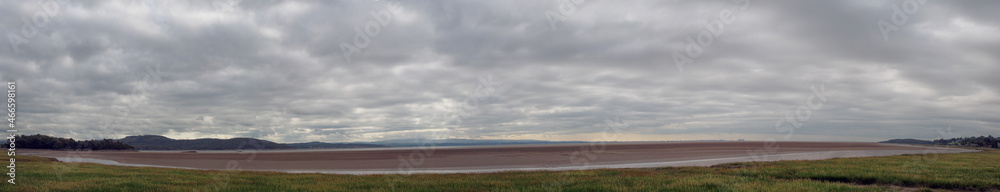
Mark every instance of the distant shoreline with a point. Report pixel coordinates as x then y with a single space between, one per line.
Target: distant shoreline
475 159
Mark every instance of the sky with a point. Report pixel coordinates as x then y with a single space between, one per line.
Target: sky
352 71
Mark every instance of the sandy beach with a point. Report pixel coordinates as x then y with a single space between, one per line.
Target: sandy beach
492 158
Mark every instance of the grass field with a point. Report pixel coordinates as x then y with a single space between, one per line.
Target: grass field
977 171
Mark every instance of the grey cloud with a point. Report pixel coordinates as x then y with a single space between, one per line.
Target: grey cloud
275 70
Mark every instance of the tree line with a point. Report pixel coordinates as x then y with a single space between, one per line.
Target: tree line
981 141
39 141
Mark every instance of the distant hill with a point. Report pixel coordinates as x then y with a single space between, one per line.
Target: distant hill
460 142
907 141
156 142
311 145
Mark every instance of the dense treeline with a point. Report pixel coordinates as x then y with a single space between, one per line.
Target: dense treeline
38 141
981 141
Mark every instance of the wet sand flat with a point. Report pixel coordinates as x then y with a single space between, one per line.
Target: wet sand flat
498 158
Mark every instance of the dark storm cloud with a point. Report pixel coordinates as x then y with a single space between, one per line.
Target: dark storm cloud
278 70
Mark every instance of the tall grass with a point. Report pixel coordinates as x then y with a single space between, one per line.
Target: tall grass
962 171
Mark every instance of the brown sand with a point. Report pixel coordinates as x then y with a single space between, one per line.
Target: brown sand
480 157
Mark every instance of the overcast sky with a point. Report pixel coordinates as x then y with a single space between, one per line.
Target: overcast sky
337 71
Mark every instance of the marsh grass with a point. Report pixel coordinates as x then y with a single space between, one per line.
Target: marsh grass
977 171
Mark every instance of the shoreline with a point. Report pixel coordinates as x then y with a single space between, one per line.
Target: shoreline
485 159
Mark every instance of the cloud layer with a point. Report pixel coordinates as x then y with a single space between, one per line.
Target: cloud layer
554 70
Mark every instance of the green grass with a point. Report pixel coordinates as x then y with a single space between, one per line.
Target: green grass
978 171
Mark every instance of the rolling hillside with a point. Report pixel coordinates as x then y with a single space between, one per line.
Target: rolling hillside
156 142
